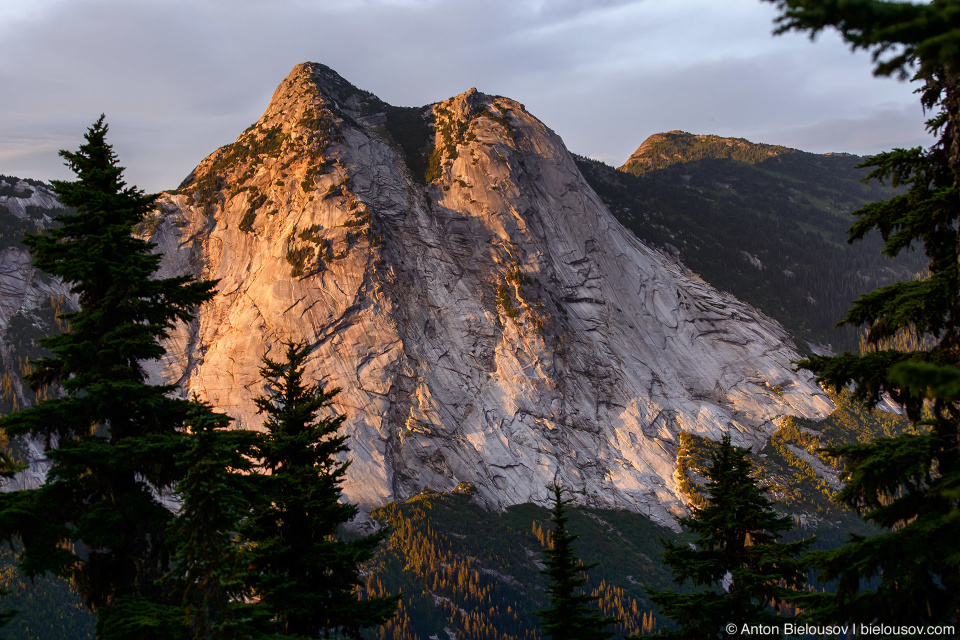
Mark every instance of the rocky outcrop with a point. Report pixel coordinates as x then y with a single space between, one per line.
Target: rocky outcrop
487 319
662 150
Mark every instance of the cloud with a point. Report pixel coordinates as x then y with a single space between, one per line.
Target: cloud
178 79
867 133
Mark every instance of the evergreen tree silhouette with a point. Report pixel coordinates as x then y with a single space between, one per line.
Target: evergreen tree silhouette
570 616
736 556
113 439
303 571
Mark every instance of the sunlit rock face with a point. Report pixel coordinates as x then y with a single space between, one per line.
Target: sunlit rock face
489 323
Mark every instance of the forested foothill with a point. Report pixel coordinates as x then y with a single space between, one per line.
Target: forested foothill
766 223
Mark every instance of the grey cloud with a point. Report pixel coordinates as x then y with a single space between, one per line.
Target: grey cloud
868 133
177 79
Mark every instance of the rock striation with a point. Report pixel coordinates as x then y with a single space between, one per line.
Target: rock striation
486 318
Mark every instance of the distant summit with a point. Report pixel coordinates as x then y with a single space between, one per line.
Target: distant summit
766 222
662 150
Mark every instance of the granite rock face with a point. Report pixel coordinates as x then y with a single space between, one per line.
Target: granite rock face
30 300
487 319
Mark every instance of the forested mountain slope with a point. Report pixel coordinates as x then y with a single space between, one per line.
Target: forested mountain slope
764 222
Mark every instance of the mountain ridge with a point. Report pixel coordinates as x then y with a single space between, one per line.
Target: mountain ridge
488 325
662 150
767 223
487 319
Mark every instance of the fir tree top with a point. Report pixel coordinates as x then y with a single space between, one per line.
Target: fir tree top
113 439
736 556
124 313
569 616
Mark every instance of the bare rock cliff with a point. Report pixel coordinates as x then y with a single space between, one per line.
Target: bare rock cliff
30 300
487 319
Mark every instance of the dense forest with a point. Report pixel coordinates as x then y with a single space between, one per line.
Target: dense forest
464 568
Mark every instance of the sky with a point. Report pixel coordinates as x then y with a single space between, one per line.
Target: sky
179 78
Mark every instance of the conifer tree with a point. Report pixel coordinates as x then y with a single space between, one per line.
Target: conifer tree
908 485
8 468
304 573
570 616
114 438
209 563
736 556
6 616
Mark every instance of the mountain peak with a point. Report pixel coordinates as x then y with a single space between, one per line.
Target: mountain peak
662 150
305 116
309 90
486 318
311 82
